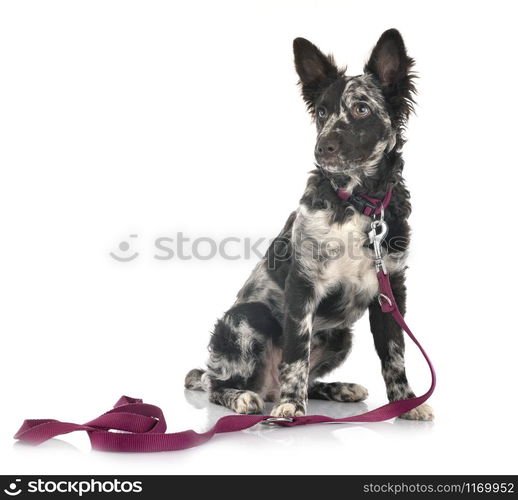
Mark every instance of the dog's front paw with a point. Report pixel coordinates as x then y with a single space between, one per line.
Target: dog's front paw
291 409
422 412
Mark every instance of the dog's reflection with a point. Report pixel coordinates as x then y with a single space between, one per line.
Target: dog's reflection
199 400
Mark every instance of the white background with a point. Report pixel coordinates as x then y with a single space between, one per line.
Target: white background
149 118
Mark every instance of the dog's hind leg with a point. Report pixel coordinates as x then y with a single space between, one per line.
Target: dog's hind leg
240 401
197 380
238 350
329 349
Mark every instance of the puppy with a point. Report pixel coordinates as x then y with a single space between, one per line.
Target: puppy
291 322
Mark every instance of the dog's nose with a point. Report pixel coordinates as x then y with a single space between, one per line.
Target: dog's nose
326 147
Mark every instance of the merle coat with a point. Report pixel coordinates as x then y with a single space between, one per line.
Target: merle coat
291 323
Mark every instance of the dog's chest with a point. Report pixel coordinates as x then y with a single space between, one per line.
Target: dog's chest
352 263
345 256
344 278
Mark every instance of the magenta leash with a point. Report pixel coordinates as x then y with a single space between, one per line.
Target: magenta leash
144 427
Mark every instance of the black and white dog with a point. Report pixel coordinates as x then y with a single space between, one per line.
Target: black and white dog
291 322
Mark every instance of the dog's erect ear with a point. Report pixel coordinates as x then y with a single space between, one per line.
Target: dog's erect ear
389 62
312 66
315 69
391 66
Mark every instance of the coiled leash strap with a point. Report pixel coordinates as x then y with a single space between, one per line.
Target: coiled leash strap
144 427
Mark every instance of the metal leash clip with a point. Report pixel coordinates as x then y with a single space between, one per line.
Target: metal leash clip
276 420
377 234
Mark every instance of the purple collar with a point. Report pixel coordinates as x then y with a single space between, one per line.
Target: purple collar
365 204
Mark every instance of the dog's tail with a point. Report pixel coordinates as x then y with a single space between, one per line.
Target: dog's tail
197 380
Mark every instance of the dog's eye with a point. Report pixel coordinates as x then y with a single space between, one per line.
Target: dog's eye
322 112
361 110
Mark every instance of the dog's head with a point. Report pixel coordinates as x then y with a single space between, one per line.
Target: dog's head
358 118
